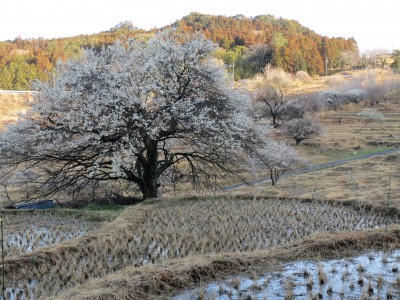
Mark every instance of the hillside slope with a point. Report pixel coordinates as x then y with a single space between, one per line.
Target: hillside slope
288 45
292 46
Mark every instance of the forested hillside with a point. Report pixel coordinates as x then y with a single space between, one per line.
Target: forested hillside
253 42
23 60
249 43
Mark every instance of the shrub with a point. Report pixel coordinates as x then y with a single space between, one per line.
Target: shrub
356 95
302 76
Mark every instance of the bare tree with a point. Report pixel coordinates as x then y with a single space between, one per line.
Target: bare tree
396 60
133 114
269 91
274 101
350 58
258 57
302 129
375 58
374 87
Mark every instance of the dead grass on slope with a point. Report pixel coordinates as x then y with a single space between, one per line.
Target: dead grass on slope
345 129
372 182
11 105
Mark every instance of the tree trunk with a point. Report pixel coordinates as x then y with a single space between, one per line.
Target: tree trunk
150 174
150 188
272 176
274 123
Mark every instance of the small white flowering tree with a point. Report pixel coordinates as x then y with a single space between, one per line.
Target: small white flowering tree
133 114
277 158
302 129
370 114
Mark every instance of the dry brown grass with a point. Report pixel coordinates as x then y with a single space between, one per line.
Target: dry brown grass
345 130
163 280
365 181
11 104
315 84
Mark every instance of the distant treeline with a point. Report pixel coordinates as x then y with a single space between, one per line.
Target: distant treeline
249 43
23 60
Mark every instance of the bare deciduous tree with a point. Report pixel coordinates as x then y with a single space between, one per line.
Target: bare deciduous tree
274 101
269 90
350 58
258 57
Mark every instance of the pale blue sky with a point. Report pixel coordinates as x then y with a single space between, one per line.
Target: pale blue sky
374 24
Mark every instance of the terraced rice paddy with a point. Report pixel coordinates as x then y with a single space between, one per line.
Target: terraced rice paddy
243 225
186 228
373 275
345 129
25 233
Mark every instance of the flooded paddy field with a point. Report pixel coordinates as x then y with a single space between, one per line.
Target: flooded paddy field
373 275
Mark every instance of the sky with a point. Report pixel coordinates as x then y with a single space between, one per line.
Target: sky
374 24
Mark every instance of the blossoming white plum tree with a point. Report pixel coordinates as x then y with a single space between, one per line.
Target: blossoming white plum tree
277 158
302 129
134 114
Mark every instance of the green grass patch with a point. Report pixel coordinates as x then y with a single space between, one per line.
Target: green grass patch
369 151
102 207
103 214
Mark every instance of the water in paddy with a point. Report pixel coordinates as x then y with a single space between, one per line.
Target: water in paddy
374 275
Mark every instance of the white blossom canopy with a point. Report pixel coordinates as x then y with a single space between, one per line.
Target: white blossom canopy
136 112
277 158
